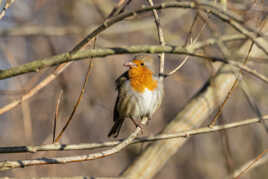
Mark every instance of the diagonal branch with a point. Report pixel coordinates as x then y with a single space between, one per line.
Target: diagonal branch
205 6
8 3
7 165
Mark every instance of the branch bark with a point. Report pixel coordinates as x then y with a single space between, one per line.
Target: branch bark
84 54
91 146
7 165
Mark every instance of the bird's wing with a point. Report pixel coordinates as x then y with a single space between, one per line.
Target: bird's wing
116 113
119 82
121 79
117 120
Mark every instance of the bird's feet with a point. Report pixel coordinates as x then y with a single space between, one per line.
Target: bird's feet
137 124
149 119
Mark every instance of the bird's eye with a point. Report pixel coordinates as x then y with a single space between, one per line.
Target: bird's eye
142 64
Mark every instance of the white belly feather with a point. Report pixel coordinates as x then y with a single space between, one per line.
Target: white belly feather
147 99
147 102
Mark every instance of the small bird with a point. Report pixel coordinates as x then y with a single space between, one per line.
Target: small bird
140 93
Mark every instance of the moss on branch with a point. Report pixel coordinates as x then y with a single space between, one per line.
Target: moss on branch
37 65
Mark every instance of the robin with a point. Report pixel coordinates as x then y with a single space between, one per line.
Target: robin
140 93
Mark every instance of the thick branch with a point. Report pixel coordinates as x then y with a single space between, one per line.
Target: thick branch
84 54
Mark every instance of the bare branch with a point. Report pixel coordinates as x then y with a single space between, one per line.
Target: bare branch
7 165
206 6
7 5
63 58
119 8
178 67
62 67
160 36
91 146
56 115
90 65
250 165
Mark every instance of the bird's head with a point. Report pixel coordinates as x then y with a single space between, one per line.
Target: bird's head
140 63
140 73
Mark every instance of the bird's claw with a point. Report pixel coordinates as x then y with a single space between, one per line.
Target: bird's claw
137 124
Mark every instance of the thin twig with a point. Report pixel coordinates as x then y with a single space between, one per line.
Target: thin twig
225 51
187 57
259 160
7 5
119 8
178 67
189 34
77 102
160 36
236 83
236 23
91 146
206 6
56 116
80 96
186 42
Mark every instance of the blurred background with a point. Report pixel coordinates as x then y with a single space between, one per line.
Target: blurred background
34 29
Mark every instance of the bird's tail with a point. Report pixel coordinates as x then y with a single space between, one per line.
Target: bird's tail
116 128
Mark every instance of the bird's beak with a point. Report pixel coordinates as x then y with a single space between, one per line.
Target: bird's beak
130 64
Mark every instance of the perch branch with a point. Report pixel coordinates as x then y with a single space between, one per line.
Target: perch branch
7 165
91 146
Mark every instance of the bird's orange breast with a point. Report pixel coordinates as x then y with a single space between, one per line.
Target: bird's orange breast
142 78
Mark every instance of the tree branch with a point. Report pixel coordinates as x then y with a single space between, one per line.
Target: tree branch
91 146
83 54
160 36
7 165
206 6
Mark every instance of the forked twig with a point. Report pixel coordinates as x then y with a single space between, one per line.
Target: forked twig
119 8
186 42
77 102
219 112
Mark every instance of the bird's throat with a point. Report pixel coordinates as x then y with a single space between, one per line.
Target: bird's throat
142 78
